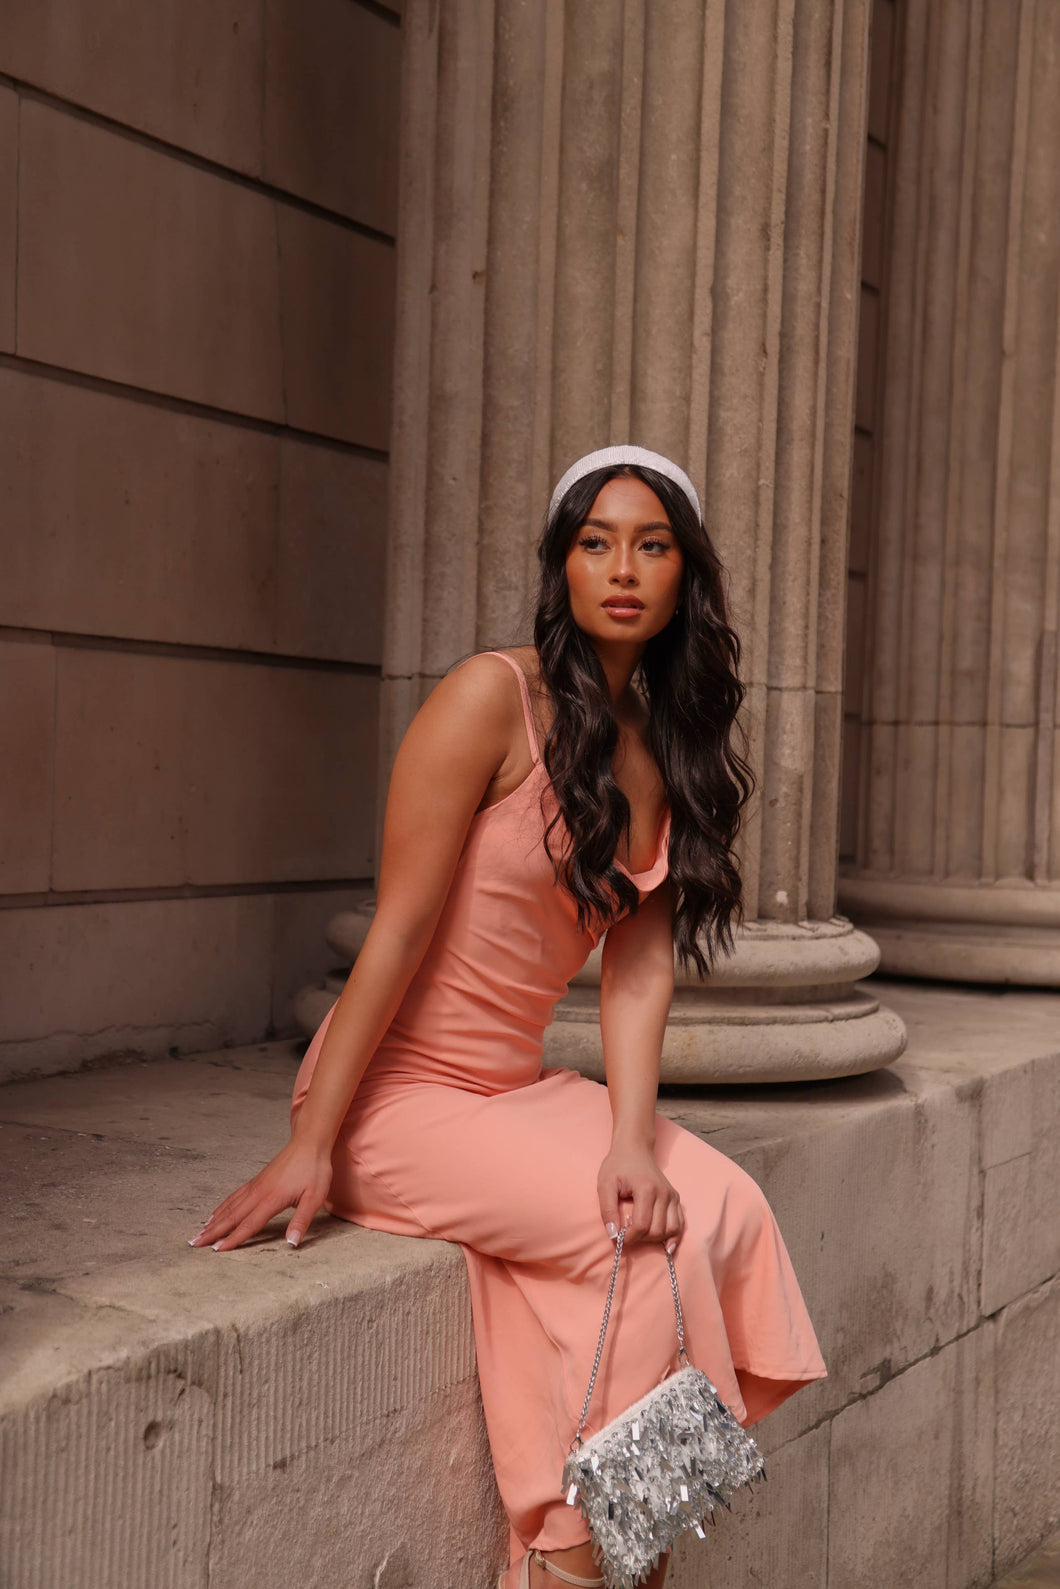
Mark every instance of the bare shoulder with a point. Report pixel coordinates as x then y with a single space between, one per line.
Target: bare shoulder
476 704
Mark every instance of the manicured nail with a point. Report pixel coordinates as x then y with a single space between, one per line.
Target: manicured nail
294 1239
612 1230
217 1245
671 1244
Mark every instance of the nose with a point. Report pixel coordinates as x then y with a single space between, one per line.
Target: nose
623 571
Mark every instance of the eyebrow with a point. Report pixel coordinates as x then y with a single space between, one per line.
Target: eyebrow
606 524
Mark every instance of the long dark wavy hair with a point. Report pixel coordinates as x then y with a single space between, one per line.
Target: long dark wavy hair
689 675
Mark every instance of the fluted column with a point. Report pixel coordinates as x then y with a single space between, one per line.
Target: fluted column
957 870
641 221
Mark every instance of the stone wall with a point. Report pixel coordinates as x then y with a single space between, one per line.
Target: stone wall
197 267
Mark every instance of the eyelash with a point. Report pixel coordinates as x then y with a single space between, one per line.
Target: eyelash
598 540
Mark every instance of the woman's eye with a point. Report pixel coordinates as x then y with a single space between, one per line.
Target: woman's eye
591 540
663 545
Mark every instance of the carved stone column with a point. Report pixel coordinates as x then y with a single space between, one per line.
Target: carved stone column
958 855
641 221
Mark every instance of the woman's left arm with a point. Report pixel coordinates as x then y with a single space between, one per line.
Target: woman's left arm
636 989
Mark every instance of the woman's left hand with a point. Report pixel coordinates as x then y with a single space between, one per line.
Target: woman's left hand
630 1174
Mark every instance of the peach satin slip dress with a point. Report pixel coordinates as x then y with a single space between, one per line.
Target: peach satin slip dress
457 1131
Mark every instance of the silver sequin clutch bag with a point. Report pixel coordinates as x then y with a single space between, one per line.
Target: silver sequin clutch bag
661 1467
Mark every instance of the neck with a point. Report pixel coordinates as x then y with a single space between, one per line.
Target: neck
619 663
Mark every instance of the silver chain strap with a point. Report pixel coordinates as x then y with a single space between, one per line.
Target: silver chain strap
682 1354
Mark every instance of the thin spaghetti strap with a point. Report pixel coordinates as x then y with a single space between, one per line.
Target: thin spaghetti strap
528 716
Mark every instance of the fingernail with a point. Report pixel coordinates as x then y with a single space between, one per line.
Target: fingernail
294 1239
671 1244
612 1230
217 1245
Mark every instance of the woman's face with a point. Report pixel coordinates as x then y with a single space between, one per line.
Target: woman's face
624 565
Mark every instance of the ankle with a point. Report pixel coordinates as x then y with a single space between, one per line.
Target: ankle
552 1569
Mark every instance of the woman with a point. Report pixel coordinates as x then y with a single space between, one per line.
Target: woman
538 796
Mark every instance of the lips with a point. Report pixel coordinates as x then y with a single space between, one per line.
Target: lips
622 601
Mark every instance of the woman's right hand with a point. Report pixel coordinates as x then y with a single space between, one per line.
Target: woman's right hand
299 1175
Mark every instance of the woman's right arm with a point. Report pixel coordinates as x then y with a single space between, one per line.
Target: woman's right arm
456 743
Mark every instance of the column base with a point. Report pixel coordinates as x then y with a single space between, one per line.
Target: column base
961 932
786 1006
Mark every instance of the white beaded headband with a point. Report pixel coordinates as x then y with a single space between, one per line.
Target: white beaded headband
608 457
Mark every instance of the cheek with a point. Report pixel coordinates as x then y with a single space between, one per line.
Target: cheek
578 579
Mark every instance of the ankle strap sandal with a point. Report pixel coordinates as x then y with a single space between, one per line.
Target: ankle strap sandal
550 1566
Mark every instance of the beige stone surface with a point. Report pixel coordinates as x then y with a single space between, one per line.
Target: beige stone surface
27 729
186 71
166 772
330 555
145 269
337 307
911 1476
337 1382
8 215
126 518
776 1533
136 975
1026 1503
250 1396
332 85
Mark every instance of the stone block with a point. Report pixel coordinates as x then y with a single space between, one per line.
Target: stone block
331 553
331 99
139 975
27 727
291 754
1045 1164
876 1306
1010 1259
171 771
126 518
8 215
123 774
145 269
1027 1461
186 71
776 1534
414 1508
1007 1123
911 1476
337 294
111 1486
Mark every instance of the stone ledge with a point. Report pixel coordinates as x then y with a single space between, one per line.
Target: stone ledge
168 1413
